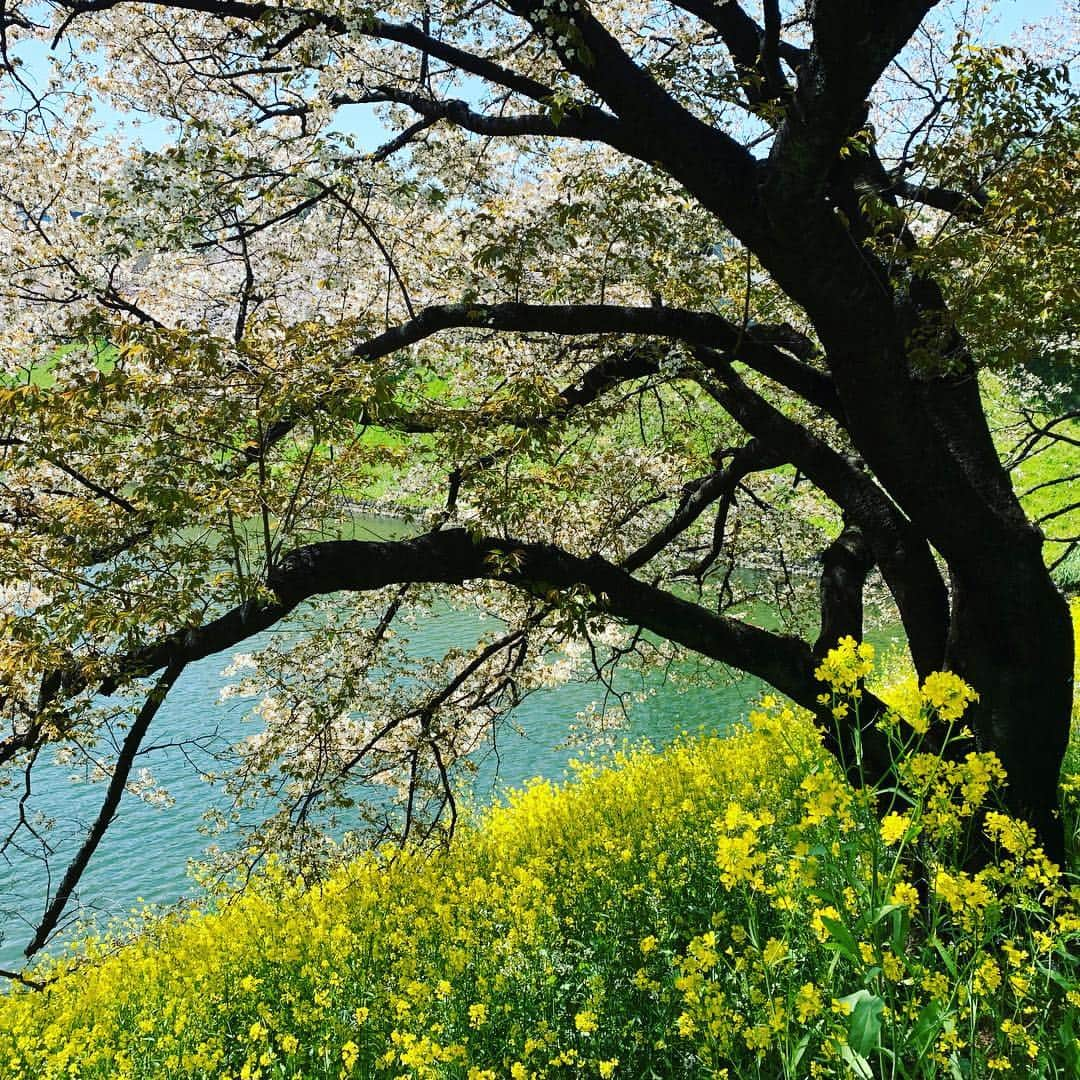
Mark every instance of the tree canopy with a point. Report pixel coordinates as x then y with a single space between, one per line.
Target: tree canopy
617 302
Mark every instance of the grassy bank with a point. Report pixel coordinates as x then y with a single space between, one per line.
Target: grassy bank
726 907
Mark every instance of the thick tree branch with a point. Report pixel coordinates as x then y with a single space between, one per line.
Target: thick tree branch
489 70
901 551
774 84
678 324
961 203
407 34
587 123
852 735
692 327
755 50
854 41
707 160
845 565
452 556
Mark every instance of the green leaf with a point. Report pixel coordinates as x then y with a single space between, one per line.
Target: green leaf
885 910
859 1066
843 937
946 957
797 1053
1055 977
1069 1044
864 1028
927 1025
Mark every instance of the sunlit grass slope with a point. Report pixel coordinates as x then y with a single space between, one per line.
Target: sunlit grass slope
728 907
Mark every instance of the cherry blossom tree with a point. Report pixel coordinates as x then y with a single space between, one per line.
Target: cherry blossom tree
627 298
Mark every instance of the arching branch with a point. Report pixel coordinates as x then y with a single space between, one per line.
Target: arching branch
585 123
452 556
568 320
679 324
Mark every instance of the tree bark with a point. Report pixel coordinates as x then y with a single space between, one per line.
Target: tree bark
1011 638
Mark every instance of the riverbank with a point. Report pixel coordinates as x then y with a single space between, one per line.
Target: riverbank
727 904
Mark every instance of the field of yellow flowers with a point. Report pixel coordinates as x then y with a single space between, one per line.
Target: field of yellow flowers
729 907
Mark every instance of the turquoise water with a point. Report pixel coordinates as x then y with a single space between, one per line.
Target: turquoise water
145 852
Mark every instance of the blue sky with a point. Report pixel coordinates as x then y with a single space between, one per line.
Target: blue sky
1013 15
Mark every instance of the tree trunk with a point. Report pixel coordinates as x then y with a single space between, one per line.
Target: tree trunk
1011 639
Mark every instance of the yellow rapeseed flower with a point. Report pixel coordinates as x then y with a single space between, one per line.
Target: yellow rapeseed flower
808 1002
844 667
774 952
905 894
586 1021
948 694
894 827
349 1054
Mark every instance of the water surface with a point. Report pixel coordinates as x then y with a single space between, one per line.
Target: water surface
145 852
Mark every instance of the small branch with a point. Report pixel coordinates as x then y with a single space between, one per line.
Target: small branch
97 489
1070 479
117 785
23 980
749 458
961 203
1068 508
